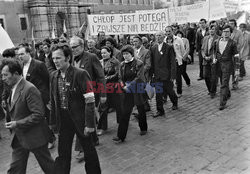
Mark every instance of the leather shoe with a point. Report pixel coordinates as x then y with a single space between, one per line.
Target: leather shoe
222 107
117 140
212 95
174 107
200 79
143 133
100 132
158 114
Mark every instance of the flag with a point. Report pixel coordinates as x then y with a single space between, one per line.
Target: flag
5 41
87 33
53 36
64 27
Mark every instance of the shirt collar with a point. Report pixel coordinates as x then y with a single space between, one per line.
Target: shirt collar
129 61
28 61
14 87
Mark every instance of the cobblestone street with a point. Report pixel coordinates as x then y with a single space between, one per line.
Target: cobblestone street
198 138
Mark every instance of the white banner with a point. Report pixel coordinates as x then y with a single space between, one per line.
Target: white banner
244 5
146 22
231 6
5 41
188 13
217 10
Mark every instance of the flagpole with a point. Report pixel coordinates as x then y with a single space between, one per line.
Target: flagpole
208 10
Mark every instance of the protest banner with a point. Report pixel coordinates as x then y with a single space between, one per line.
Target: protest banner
5 41
188 13
146 22
244 5
231 6
216 10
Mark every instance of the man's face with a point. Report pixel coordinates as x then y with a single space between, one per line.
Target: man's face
22 55
231 23
59 59
7 77
108 44
40 49
169 31
91 44
159 37
137 43
76 47
202 24
46 49
242 29
102 36
226 33
212 31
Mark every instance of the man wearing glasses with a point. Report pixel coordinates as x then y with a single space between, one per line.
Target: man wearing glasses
225 50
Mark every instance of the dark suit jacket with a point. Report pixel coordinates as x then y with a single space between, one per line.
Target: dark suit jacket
144 56
205 51
137 67
39 76
199 38
92 65
80 107
111 69
191 36
50 64
226 58
27 110
96 52
163 64
41 56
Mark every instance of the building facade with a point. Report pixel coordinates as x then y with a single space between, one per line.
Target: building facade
20 17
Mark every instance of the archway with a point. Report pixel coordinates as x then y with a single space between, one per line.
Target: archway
60 17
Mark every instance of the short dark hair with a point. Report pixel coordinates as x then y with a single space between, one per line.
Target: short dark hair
65 49
243 25
112 41
203 20
10 52
234 21
179 32
211 26
37 45
227 26
138 37
128 48
13 64
211 22
47 40
46 44
110 50
27 49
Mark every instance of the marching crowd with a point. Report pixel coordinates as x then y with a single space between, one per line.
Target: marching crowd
68 86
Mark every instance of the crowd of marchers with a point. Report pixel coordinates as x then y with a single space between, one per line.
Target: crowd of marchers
57 88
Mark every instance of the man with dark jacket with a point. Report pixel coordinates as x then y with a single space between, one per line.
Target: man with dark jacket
163 66
89 62
26 121
200 34
72 111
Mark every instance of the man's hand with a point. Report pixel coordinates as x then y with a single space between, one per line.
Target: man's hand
103 99
88 130
10 125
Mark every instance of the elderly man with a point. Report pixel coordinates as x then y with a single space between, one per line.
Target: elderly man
89 62
92 49
163 68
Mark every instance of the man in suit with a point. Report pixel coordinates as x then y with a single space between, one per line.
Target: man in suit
191 39
48 57
163 68
30 132
200 34
237 37
92 49
143 54
72 111
36 72
225 50
207 52
90 62
245 51
39 54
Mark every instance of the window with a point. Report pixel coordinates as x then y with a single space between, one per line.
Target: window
111 1
101 1
2 21
149 2
120 1
137 1
23 21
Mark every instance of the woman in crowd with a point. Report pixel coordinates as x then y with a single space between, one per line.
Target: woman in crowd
131 77
185 58
114 93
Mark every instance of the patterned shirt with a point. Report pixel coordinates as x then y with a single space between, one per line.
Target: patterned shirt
62 89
